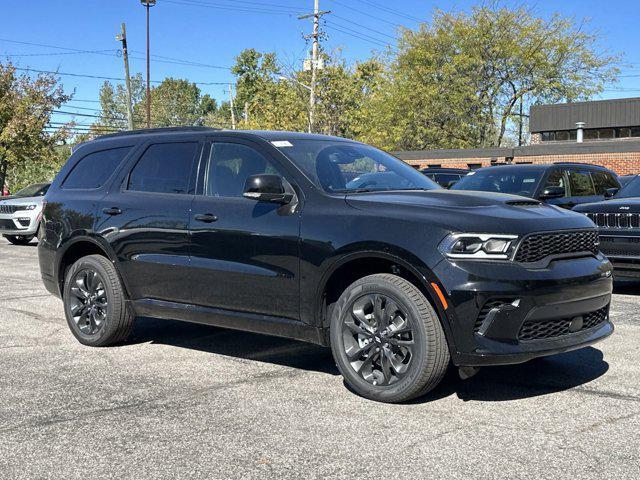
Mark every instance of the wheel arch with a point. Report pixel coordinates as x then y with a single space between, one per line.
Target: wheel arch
350 267
78 247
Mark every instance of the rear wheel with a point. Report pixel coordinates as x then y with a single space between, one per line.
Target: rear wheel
387 340
94 302
19 239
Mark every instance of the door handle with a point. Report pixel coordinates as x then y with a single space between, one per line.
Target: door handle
206 217
111 211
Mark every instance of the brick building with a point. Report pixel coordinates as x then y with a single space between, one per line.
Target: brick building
605 132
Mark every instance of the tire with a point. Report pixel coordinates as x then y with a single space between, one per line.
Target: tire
414 328
20 239
107 319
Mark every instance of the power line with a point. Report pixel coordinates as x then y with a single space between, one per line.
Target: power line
51 54
101 77
391 10
355 33
365 13
364 26
247 9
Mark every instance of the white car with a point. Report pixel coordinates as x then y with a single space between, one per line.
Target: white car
20 214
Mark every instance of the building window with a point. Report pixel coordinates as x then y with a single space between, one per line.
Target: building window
591 134
606 133
562 136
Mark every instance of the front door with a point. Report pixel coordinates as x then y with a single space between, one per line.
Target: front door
244 253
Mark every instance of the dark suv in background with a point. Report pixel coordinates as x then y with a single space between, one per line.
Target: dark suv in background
445 177
259 231
563 184
618 220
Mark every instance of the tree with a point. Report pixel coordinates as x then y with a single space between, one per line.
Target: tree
459 81
26 106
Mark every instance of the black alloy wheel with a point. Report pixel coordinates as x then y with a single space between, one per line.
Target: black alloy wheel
387 339
378 339
88 302
94 302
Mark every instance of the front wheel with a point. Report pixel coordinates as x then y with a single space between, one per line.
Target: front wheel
387 339
19 239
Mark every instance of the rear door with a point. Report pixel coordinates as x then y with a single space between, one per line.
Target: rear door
244 254
145 218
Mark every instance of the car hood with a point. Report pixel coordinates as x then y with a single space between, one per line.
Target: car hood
470 211
21 200
615 205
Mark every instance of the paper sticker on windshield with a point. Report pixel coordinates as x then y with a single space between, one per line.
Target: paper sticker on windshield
281 143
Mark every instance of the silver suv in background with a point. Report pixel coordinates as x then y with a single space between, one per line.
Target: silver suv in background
20 214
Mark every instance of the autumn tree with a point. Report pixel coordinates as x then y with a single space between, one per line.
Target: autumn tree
26 105
459 81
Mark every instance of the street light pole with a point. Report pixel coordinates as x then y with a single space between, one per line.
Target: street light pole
148 4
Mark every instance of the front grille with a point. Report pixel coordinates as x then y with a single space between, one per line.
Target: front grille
8 208
537 246
615 220
535 330
487 307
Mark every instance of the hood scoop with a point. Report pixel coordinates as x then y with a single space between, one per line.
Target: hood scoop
524 203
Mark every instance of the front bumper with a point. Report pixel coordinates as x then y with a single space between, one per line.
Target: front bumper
22 222
504 313
622 248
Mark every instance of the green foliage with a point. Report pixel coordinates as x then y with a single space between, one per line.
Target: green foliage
27 150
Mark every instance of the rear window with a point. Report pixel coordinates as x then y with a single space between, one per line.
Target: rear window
164 168
581 184
603 181
95 169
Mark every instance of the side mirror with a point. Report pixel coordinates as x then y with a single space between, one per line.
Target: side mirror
610 192
266 188
552 192
451 183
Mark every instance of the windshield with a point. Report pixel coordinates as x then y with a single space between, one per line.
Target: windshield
36 190
513 181
631 189
347 167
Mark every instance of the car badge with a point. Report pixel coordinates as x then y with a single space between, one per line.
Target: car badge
624 208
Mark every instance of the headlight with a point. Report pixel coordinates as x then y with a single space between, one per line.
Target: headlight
27 207
478 246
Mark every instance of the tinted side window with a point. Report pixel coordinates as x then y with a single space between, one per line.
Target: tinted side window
164 168
94 169
229 166
580 182
556 179
602 181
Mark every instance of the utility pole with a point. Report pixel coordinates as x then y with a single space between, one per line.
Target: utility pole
148 4
123 38
315 36
233 114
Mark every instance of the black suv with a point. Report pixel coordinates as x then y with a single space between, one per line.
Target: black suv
258 231
619 222
563 184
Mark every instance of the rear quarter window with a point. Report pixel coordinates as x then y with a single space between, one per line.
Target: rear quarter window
94 169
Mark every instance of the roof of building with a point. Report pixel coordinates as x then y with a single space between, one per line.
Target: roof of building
619 112
568 148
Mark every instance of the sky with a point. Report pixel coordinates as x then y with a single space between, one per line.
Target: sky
78 36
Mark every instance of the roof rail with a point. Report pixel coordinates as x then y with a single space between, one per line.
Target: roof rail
144 131
577 163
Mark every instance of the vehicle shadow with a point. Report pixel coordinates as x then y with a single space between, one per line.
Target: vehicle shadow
234 343
537 377
626 288
492 384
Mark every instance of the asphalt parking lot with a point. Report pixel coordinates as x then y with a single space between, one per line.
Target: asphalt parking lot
188 401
